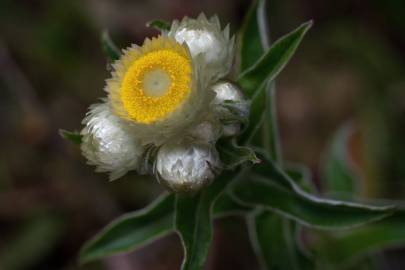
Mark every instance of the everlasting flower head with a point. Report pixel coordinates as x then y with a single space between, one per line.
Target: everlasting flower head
167 95
157 88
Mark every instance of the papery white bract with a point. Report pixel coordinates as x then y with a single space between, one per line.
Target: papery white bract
108 142
186 166
204 37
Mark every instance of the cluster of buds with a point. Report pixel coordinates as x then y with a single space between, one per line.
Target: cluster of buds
168 102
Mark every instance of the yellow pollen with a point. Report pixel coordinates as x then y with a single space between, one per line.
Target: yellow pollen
156 83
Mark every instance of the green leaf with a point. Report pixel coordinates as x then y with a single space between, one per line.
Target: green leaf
269 130
131 230
272 235
251 48
257 83
256 118
262 117
270 135
306 209
71 136
340 179
345 249
233 155
159 25
109 48
255 38
273 241
272 62
193 221
269 187
134 230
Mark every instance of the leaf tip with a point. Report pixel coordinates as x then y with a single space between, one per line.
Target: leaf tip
307 25
159 25
73 137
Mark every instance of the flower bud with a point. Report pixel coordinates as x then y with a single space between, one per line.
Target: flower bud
205 38
231 106
108 142
187 166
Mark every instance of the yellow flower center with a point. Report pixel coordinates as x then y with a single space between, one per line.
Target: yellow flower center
157 82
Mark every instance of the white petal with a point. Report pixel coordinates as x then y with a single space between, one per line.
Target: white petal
108 142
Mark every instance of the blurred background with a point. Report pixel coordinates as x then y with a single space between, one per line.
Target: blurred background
348 75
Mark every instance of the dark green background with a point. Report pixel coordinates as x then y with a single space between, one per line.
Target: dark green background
350 67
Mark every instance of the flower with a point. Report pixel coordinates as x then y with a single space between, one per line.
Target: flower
204 37
107 142
167 106
187 166
158 89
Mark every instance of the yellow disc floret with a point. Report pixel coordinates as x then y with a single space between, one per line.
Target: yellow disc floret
156 81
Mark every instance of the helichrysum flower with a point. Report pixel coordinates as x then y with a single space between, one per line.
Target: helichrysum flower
167 94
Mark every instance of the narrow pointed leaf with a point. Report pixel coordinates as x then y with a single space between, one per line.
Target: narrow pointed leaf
193 221
276 191
131 231
257 84
251 43
109 48
160 25
71 136
308 210
273 61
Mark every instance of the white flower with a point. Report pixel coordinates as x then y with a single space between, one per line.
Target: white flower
108 143
230 106
159 90
204 37
186 166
